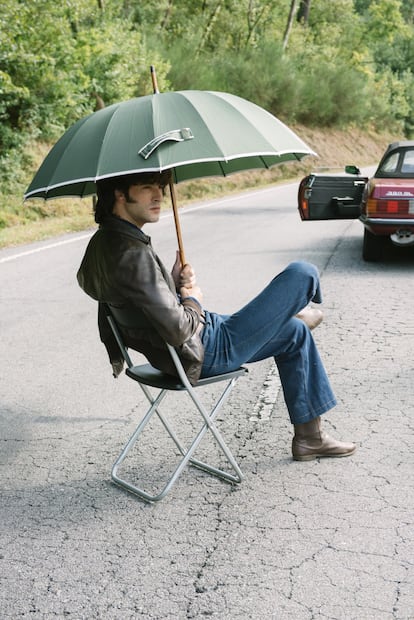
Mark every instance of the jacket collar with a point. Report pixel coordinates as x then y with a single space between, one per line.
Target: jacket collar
112 223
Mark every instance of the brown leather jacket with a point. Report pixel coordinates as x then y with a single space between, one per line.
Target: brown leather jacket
121 268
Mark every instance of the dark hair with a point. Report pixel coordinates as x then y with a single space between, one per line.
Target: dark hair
105 189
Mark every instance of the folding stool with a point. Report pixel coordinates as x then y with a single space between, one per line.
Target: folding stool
148 376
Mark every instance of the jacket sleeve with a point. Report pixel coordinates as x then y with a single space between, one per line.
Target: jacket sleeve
144 282
108 339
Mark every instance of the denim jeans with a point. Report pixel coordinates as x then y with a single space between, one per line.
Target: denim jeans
267 327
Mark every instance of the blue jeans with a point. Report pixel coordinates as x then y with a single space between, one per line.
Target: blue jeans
267 327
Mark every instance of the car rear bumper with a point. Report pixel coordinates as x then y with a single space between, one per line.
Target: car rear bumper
387 226
382 221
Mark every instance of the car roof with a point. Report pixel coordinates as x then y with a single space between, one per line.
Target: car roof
399 145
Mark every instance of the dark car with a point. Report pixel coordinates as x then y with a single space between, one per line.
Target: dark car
384 203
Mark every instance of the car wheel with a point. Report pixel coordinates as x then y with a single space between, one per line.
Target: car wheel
372 246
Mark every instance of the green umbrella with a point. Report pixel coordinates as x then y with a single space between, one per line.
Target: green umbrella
194 133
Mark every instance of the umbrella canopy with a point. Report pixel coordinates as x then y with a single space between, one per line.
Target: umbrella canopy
194 133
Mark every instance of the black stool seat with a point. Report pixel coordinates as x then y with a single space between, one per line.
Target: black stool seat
148 375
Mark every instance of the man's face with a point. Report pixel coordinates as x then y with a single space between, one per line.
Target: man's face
141 205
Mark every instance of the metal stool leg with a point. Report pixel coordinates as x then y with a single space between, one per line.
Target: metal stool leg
187 454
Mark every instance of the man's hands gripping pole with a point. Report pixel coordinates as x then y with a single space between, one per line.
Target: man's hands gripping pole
185 280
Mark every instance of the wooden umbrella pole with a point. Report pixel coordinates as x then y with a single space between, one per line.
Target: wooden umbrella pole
154 80
177 223
172 188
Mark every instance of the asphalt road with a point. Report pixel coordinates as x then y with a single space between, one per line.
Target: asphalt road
328 539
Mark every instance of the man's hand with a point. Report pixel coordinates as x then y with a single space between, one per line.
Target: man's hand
176 270
187 277
183 276
185 280
194 291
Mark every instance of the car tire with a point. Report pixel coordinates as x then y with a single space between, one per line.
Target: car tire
372 246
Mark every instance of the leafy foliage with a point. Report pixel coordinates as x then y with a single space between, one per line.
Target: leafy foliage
351 62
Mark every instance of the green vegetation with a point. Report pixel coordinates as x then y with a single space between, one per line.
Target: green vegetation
347 63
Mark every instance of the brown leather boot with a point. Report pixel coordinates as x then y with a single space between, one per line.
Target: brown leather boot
310 442
311 316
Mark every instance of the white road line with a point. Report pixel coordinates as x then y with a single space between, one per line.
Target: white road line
268 396
45 247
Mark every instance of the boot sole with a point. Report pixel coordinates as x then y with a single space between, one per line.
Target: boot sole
312 457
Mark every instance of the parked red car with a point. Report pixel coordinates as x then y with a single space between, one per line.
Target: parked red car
384 203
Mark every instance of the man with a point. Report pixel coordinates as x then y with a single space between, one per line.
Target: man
121 268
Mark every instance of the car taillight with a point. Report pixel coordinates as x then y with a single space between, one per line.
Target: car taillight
371 207
304 206
389 207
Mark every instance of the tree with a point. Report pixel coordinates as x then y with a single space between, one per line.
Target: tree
289 23
58 58
304 11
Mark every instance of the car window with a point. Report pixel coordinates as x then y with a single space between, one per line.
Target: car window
407 165
390 164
